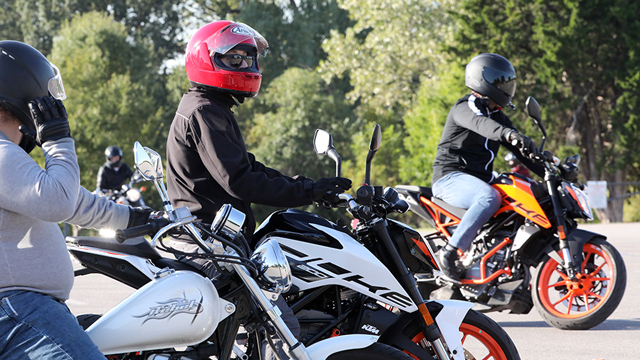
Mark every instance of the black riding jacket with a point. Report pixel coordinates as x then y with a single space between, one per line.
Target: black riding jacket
208 165
111 179
471 138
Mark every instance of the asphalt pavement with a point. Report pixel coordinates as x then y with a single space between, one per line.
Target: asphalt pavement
618 338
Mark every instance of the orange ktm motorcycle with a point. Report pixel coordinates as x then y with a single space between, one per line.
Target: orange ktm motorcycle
580 277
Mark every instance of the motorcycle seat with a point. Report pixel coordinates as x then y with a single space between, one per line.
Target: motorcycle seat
428 193
137 246
454 210
420 190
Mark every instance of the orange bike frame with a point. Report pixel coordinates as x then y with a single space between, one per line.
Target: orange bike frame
436 211
483 269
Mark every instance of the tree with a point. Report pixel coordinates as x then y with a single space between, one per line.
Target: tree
386 57
37 22
106 105
425 120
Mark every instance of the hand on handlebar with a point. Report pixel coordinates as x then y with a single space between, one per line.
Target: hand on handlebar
325 191
527 147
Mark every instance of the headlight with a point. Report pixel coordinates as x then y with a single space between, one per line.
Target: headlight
228 221
274 273
133 195
581 198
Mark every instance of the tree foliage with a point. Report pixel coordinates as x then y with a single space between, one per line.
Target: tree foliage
37 22
386 56
109 101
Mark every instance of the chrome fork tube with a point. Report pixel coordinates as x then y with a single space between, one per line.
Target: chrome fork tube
294 348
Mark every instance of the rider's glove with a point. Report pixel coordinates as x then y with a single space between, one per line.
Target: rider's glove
326 190
527 147
50 119
142 215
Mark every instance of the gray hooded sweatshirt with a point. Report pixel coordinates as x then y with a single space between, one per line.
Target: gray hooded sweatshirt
33 253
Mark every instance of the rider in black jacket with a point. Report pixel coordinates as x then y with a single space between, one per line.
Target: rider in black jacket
474 130
207 161
114 172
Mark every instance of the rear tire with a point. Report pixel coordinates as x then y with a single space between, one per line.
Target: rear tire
585 303
375 351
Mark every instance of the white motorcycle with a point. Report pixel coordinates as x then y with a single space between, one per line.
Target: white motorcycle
177 313
361 281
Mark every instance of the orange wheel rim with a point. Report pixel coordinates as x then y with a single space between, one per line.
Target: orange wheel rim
477 344
574 299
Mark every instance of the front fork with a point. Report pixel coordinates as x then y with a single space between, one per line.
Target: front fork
570 264
428 326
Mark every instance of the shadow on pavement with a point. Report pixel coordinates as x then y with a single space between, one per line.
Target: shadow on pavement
610 324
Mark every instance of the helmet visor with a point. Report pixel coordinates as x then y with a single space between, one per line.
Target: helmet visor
235 34
56 88
505 81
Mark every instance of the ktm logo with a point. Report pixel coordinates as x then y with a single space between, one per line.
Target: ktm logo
370 328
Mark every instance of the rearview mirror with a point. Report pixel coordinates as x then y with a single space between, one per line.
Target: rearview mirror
374 145
322 142
145 165
532 108
157 162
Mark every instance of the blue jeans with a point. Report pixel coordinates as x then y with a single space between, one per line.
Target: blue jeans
37 326
468 192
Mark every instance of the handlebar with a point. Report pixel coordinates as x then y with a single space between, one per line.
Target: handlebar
149 228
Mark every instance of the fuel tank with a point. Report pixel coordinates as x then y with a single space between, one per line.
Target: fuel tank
178 309
321 253
521 195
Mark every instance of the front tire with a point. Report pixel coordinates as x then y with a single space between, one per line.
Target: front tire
482 338
588 301
375 351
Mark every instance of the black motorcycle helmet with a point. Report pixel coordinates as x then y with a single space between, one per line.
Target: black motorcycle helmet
493 76
24 75
110 152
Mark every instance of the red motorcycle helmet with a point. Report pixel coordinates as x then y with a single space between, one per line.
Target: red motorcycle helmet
213 40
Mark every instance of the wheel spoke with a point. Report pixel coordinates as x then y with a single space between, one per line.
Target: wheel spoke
562 275
489 355
559 283
601 279
571 297
595 295
586 259
597 270
563 299
464 338
586 302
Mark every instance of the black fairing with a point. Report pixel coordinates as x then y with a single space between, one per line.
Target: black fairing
413 257
296 224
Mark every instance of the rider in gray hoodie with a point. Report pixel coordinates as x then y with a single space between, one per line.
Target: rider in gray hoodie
36 274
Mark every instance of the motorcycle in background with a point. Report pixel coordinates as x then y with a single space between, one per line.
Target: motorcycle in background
178 313
127 194
580 278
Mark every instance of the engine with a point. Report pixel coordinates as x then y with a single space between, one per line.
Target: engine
483 292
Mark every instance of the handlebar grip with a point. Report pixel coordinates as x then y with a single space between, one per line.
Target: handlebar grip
401 206
149 228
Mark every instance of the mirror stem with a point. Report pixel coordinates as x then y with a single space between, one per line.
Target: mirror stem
333 154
